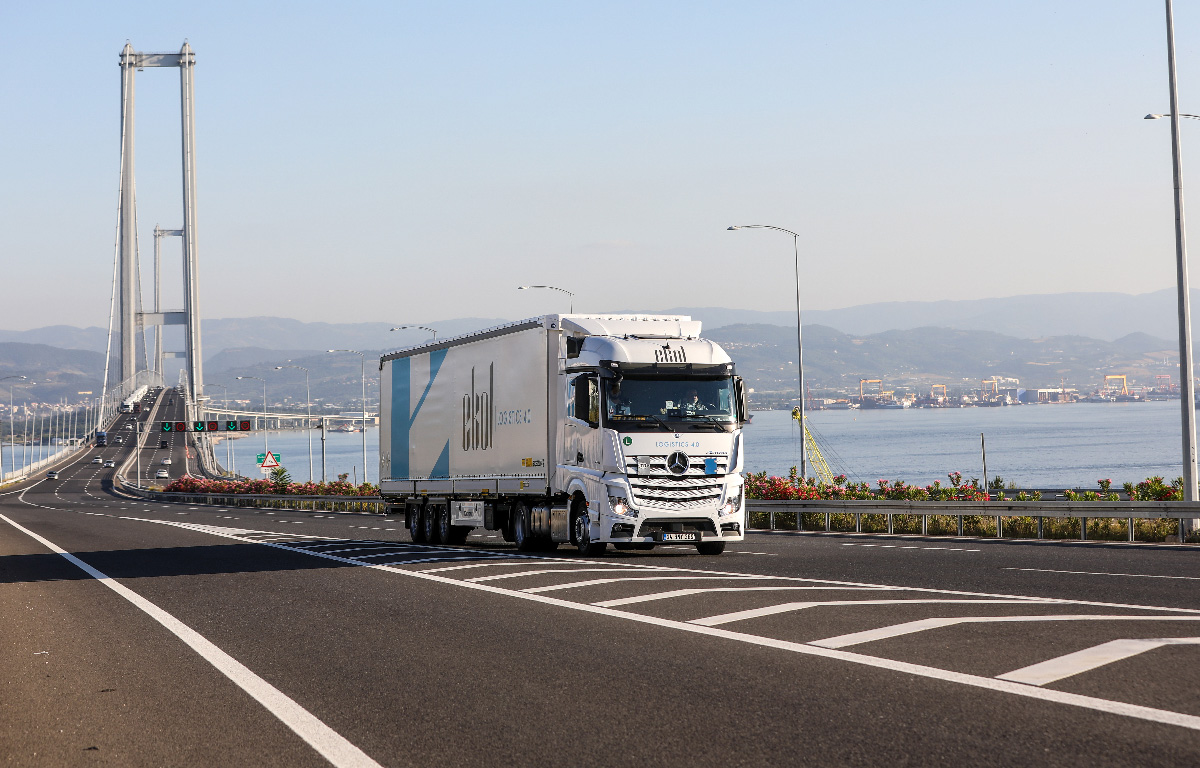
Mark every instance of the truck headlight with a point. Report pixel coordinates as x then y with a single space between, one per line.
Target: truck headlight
732 505
620 506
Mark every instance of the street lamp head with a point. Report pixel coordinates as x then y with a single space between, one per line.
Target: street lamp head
1152 117
730 229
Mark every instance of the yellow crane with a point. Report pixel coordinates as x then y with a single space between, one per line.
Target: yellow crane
861 393
815 459
1114 378
933 390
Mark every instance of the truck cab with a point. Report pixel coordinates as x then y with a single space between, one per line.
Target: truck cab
649 447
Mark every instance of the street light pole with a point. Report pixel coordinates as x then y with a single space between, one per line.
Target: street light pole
551 288
228 440
12 432
308 423
265 423
799 343
1187 391
364 402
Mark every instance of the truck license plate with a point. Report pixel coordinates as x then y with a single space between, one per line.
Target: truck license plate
680 537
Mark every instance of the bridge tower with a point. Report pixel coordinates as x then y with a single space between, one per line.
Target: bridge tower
133 320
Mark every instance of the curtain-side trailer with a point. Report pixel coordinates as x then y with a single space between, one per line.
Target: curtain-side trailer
588 429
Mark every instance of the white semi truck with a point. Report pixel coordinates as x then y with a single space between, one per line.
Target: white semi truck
588 429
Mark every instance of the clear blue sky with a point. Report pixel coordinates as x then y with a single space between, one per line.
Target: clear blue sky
414 162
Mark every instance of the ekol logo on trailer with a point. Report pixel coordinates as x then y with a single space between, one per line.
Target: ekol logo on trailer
479 415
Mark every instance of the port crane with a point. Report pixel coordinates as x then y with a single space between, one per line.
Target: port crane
1158 379
933 390
815 459
1114 378
861 382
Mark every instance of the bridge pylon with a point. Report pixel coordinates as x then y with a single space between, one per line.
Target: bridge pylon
132 319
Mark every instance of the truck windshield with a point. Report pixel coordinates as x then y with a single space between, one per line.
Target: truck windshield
633 399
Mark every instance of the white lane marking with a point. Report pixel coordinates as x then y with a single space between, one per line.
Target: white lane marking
1088 659
921 625
595 582
771 610
894 546
516 560
706 590
1093 703
1101 573
327 742
539 572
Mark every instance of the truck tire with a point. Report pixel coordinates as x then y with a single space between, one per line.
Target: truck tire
520 527
429 525
416 526
581 531
710 547
445 531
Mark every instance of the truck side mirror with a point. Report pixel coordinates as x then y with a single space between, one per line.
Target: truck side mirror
743 405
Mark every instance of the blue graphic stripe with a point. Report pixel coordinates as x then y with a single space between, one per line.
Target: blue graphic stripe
402 420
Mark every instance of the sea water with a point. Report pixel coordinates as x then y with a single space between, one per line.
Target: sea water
1034 446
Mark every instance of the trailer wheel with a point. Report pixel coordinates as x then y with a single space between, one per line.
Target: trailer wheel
520 527
581 528
711 547
429 525
445 531
416 526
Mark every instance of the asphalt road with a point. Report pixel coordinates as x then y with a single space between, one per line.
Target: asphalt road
141 633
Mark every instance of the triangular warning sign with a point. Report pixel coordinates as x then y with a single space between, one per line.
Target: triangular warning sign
269 461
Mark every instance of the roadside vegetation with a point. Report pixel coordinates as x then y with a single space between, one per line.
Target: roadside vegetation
793 487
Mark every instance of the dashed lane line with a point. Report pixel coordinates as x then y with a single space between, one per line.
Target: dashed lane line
1102 573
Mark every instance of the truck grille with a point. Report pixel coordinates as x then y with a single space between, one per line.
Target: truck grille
657 487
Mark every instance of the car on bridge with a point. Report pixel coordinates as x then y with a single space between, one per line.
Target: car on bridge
52 475
162 443
167 461
97 460
162 473
110 463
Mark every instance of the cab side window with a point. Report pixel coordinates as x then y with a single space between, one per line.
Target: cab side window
586 399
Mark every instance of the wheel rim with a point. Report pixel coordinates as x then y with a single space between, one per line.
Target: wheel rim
582 532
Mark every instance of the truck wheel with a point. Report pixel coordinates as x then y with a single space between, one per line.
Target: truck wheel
416 526
581 527
429 525
445 531
520 527
711 547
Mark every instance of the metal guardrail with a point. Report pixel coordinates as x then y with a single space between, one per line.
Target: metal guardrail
1018 513
362 504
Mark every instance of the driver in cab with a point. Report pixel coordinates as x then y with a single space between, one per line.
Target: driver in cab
692 404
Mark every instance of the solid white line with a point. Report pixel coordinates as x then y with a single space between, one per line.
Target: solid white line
631 579
1088 659
921 625
771 610
705 590
327 742
986 683
1101 573
496 576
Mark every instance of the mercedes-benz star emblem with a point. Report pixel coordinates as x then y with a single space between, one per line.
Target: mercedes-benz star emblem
678 463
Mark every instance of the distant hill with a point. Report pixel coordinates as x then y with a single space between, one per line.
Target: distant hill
1107 316
1104 316
52 373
